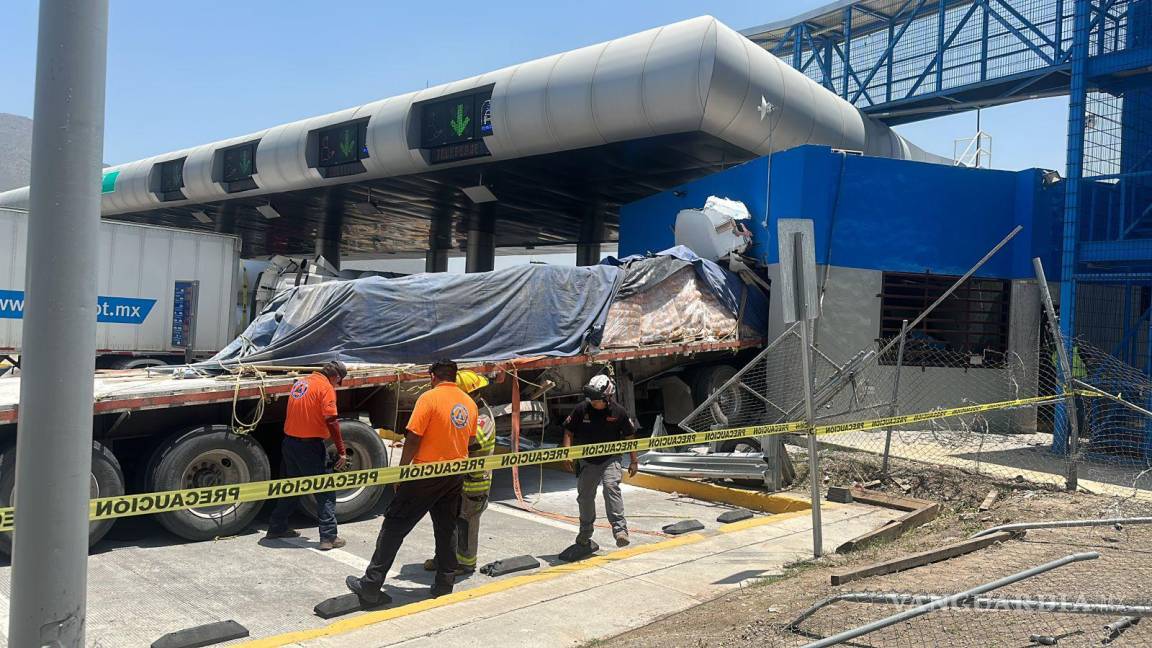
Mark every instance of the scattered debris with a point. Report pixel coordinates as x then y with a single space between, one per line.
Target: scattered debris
737 515
205 635
509 566
919 512
919 559
989 500
683 526
576 552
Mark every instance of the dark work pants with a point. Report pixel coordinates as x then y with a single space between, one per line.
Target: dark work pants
439 496
305 458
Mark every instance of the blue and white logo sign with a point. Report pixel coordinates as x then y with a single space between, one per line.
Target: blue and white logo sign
459 416
109 310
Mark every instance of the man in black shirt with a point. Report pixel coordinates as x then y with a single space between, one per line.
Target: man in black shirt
599 420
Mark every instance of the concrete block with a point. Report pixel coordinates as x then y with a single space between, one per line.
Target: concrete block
683 526
728 517
205 635
344 604
579 552
510 565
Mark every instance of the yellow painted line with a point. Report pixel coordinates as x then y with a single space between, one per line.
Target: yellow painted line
372 618
763 521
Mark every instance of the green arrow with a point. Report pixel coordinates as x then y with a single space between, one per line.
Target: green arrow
461 122
245 164
347 145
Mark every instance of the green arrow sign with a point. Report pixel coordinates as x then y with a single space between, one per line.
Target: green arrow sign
348 144
461 122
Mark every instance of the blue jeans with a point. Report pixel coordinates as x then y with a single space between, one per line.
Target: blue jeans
305 458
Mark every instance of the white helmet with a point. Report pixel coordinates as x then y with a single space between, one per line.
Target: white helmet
600 387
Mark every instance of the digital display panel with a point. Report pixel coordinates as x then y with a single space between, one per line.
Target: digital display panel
339 145
461 151
239 163
448 122
171 176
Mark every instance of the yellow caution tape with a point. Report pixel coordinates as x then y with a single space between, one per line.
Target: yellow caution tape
105 508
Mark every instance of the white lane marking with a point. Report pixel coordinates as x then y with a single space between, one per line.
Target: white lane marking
4 603
508 509
350 559
339 555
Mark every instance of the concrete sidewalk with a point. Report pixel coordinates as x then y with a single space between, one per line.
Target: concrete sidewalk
569 605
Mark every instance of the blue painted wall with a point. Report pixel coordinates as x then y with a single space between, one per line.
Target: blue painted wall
878 214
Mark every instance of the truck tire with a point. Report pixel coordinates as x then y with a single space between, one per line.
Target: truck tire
709 380
211 455
107 481
365 450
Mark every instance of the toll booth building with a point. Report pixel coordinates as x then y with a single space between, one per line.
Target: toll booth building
891 236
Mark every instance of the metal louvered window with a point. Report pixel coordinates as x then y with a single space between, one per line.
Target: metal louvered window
970 328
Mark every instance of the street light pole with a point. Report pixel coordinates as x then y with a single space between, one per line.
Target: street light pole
54 443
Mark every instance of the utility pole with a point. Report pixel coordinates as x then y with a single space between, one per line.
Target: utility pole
54 443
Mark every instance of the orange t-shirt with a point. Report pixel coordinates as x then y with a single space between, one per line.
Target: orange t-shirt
444 418
310 403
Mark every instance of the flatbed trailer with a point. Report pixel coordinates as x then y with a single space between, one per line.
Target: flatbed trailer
157 430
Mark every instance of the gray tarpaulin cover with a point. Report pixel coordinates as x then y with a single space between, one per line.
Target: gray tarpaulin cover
528 310
524 311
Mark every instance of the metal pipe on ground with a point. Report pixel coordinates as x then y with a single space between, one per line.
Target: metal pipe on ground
50 546
950 601
1063 524
1130 613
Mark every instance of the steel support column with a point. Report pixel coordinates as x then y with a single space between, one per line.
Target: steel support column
439 242
591 236
50 547
1077 103
331 228
481 251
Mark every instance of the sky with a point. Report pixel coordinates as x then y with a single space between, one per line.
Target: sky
187 73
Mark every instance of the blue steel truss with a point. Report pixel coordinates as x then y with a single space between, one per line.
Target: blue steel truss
907 60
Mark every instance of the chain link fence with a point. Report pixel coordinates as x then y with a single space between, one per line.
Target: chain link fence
1025 434
1089 602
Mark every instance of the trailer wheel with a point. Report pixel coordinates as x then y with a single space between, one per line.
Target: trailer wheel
709 380
365 450
107 480
203 457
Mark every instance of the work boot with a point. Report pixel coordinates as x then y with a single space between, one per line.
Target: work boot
622 539
367 598
286 533
440 589
328 544
430 565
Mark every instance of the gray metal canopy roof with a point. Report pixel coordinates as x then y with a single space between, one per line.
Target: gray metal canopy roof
693 81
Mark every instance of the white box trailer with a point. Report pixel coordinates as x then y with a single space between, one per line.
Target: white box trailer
159 288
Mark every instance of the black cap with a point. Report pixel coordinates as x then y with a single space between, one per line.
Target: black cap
444 369
335 369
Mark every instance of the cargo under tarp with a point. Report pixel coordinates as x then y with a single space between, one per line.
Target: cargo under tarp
524 311
529 310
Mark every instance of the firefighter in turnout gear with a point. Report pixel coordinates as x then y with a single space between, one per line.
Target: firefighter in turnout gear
474 500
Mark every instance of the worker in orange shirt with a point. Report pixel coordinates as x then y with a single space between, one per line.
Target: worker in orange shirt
440 428
312 418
